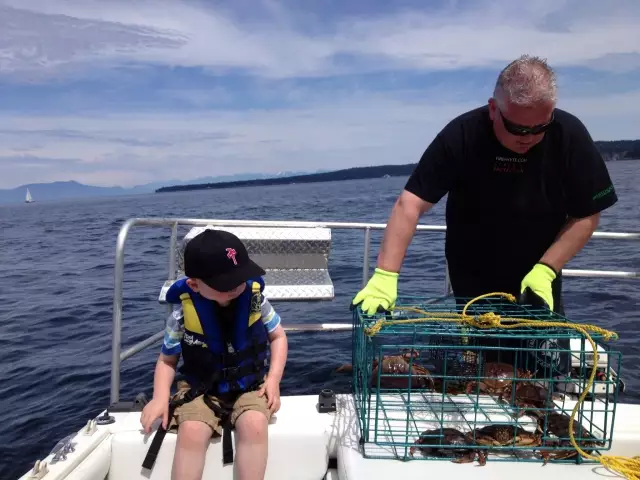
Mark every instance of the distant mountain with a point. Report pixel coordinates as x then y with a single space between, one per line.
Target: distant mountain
56 191
610 150
72 189
355 173
152 187
613 150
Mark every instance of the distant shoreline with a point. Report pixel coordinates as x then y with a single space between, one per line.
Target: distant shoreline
356 173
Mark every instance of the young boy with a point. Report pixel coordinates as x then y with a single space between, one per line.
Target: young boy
221 326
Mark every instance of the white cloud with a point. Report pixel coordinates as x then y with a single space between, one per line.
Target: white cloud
129 149
46 41
44 37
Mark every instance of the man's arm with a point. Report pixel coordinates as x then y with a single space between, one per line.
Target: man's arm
589 191
400 230
429 182
573 237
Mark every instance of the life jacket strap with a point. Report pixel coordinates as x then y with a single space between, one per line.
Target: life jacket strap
232 375
254 350
223 411
156 443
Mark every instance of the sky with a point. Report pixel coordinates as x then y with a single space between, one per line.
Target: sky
126 92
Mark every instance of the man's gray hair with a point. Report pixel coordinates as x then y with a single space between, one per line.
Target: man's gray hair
527 81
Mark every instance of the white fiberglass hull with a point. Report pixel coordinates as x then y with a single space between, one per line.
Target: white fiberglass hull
305 444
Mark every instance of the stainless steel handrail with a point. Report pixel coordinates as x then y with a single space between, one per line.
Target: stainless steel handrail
117 356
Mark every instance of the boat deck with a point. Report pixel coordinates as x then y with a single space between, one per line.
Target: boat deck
301 443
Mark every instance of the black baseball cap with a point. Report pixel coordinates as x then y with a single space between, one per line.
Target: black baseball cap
220 260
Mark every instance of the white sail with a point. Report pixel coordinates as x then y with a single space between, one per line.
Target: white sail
29 198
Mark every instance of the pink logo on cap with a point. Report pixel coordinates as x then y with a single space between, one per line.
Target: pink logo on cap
231 254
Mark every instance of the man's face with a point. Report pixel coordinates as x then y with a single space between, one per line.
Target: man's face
520 128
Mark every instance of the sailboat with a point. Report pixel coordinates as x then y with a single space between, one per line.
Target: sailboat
29 198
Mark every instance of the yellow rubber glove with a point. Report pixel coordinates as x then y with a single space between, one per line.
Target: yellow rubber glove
381 291
539 281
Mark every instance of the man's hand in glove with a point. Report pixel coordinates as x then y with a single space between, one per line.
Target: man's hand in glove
381 291
538 280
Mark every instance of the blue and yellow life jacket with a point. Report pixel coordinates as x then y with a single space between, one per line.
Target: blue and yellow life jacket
234 364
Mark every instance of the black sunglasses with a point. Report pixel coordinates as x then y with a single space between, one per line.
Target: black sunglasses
522 130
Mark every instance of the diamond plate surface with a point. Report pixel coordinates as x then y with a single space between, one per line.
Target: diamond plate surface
300 292
273 241
297 277
295 260
282 292
269 233
255 246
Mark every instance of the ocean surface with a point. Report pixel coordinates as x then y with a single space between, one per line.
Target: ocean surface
56 293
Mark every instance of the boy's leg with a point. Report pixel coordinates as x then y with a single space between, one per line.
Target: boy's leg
191 448
196 423
251 418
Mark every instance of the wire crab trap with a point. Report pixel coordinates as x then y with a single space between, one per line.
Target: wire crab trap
430 385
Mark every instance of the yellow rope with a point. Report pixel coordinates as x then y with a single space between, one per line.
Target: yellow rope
628 467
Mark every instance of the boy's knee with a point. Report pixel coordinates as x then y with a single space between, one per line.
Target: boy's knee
194 434
251 426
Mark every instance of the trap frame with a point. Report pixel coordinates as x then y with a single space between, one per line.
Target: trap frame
504 384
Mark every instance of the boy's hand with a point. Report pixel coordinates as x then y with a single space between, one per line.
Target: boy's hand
272 389
153 410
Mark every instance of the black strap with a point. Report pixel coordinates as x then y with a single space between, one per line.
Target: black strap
223 411
156 443
233 358
224 414
229 374
252 351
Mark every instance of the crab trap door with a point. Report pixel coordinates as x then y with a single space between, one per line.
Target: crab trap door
426 386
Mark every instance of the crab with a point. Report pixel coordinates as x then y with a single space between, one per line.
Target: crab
498 377
460 446
558 425
529 396
453 388
397 365
502 435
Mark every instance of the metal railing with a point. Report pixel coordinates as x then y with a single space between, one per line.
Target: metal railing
117 356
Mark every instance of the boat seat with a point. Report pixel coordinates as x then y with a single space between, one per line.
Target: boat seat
296 451
295 260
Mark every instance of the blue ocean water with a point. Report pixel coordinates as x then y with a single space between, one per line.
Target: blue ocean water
56 292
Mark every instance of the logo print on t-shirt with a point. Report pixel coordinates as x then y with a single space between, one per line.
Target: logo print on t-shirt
509 164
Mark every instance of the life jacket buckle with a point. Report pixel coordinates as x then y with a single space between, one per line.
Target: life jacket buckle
192 394
230 358
229 373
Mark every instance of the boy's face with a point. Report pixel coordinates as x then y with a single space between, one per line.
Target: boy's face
209 293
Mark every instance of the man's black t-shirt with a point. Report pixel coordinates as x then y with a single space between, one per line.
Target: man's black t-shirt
505 209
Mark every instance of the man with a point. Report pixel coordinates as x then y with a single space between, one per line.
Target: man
526 186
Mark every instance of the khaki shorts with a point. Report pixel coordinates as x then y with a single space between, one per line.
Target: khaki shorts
197 409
